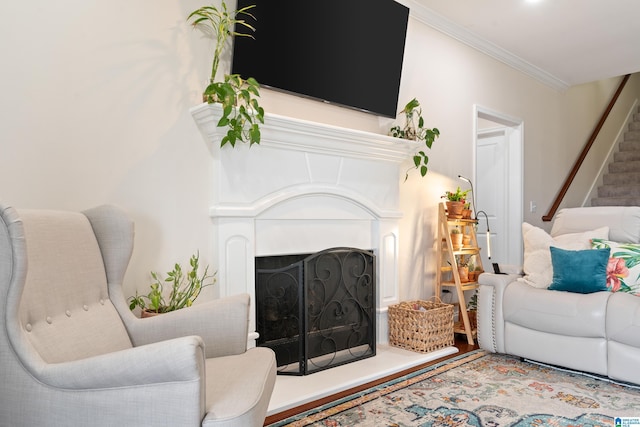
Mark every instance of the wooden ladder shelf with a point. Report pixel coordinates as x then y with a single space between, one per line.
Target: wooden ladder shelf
449 259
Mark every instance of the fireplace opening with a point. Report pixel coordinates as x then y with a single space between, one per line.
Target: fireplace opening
316 311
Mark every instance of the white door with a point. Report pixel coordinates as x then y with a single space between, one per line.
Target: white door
491 194
499 188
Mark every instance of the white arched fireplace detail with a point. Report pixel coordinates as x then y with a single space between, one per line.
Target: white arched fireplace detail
307 187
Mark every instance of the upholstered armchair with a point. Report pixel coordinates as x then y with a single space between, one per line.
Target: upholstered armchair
73 354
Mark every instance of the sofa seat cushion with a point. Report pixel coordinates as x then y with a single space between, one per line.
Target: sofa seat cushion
557 312
623 319
235 388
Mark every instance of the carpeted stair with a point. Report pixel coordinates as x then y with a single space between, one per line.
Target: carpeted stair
622 182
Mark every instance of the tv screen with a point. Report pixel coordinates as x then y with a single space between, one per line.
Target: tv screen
346 52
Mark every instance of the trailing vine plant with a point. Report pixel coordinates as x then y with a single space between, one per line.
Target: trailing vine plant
241 112
415 130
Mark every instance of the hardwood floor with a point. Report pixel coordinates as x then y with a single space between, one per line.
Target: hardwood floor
460 343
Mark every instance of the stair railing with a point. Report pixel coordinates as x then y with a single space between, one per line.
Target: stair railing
583 154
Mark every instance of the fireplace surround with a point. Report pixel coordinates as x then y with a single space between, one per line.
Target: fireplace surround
307 187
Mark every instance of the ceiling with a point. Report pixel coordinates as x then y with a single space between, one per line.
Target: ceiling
560 42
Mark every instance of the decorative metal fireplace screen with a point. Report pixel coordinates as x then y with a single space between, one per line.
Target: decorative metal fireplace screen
316 311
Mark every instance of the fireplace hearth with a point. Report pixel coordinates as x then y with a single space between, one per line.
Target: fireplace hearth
316 311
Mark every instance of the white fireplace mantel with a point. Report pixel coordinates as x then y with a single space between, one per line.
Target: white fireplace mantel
287 133
306 187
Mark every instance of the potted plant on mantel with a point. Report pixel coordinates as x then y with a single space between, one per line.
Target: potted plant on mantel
415 132
185 288
241 112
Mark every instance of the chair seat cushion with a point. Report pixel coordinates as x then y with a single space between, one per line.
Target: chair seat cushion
557 312
235 388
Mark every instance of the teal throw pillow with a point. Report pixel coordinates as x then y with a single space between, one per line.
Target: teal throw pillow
583 271
623 272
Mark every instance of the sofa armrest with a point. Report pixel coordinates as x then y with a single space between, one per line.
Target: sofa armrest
490 310
511 269
223 325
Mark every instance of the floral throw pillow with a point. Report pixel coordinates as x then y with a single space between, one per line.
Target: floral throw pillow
623 270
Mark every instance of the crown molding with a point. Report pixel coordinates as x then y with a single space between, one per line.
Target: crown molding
438 22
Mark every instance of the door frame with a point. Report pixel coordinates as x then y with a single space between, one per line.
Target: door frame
515 176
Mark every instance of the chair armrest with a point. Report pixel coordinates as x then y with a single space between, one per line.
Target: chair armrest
223 325
178 360
490 310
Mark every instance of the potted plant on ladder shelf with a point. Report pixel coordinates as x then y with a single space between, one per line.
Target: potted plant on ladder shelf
455 202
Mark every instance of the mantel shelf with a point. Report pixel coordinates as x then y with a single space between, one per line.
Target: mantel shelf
302 135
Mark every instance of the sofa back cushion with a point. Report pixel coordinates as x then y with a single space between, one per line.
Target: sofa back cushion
65 309
623 221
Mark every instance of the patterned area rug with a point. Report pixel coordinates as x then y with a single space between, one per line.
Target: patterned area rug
479 389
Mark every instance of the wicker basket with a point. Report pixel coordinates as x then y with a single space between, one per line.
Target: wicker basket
421 330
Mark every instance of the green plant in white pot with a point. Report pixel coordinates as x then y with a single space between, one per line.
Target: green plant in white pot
241 112
184 287
415 130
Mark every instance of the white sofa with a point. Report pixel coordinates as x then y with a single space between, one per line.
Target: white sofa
595 332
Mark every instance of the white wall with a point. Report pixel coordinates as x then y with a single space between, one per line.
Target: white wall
94 104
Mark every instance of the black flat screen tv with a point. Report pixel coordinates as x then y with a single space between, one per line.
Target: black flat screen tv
345 52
